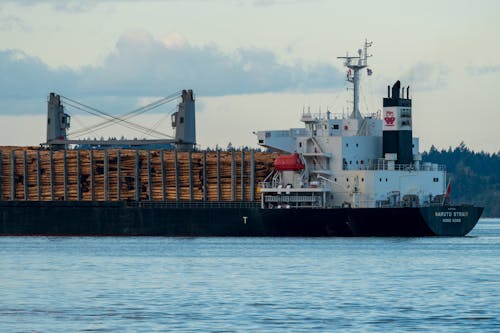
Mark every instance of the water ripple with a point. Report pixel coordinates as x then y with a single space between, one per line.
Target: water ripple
251 284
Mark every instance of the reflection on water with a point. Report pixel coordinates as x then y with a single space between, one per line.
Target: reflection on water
65 284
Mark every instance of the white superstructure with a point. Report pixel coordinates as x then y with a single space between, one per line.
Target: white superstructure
356 161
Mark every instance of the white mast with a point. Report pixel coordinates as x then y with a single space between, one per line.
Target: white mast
353 74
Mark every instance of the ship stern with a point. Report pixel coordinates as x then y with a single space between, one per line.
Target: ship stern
451 220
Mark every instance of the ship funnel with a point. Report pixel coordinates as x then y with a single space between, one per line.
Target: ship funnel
395 90
397 137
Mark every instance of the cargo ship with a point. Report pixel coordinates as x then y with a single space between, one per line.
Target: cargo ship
354 175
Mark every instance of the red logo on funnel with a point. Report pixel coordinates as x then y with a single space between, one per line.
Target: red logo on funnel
389 118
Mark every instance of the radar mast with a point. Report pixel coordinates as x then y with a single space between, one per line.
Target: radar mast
353 74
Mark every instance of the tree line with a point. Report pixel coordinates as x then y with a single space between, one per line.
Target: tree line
474 176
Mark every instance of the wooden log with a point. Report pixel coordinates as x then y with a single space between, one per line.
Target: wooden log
38 176
136 176
242 175
176 168
163 178
1 176
233 176
118 175
219 196
92 176
42 175
12 175
150 181
78 177
65 176
191 192
204 181
252 176
25 175
106 179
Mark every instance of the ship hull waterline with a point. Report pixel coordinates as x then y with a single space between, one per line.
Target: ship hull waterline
119 219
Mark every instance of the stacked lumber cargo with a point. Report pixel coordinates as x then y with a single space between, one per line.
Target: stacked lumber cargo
29 173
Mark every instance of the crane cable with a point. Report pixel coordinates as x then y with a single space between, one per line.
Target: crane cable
122 120
155 125
124 123
115 119
91 129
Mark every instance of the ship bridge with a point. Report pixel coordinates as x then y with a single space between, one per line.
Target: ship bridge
353 159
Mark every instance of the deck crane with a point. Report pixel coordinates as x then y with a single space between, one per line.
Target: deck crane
183 122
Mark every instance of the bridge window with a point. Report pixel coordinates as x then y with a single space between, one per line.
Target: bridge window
335 126
436 180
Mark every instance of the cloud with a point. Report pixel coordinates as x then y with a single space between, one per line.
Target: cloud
482 70
12 23
427 76
27 76
77 6
141 65
66 5
74 6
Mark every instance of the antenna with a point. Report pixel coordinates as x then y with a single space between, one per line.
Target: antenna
367 45
353 74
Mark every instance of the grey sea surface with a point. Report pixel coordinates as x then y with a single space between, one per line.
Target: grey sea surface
161 284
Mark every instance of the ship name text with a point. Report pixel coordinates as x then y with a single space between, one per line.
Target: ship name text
451 217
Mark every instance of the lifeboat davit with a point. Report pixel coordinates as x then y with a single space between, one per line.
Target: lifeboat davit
289 163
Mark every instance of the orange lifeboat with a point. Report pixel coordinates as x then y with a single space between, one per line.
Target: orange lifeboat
289 163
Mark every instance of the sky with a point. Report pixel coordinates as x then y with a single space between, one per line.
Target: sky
253 65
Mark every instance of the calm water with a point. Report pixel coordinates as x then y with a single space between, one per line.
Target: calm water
251 284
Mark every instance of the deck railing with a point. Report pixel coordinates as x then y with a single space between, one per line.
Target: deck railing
194 204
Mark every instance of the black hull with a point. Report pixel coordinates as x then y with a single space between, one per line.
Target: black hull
118 219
